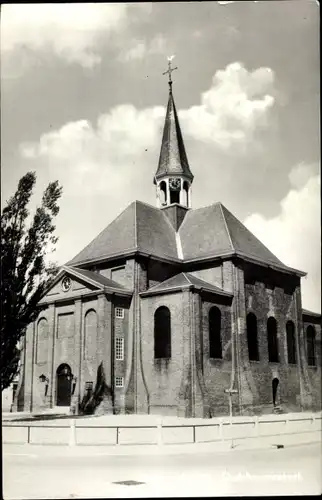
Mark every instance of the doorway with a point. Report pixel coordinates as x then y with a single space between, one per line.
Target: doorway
275 383
64 385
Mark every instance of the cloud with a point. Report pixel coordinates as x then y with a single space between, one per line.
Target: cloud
295 235
143 48
80 154
233 108
71 31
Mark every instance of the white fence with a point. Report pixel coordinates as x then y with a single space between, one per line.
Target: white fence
91 432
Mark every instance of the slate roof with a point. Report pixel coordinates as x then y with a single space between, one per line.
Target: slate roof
98 278
305 312
182 281
213 230
173 157
207 232
140 227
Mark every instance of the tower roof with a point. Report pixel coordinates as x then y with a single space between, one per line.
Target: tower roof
173 158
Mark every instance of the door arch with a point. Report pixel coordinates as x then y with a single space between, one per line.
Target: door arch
63 385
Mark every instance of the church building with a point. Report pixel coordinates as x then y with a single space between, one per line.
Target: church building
184 308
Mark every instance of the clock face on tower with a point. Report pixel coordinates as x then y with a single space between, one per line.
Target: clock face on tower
175 184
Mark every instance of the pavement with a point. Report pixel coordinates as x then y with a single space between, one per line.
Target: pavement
33 472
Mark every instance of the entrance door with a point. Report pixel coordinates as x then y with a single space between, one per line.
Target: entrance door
275 383
64 385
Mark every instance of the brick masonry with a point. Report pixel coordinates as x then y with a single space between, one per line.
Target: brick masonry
79 328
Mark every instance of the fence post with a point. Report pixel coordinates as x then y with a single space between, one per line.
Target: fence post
256 426
72 437
159 427
28 435
220 429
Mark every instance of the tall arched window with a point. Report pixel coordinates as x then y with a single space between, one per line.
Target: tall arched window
310 343
42 341
272 340
163 193
215 347
290 336
162 333
252 337
90 334
186 193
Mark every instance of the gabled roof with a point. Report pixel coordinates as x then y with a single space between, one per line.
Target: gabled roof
94 279
214 231
205 233
140 227
184 281
173 157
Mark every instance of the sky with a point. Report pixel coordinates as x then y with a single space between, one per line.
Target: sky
83 100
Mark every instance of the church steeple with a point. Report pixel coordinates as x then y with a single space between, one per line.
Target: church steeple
173 177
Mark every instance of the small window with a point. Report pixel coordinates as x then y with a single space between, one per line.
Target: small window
119 382
88 386
119 312
119 349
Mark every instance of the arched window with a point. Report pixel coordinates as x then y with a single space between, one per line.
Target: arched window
290 336
252 337
162 333
215 347
42 341
90 334
272 340
163 193
186 193
310 343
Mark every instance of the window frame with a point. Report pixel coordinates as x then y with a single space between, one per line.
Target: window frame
215 337
118 379
164 325
119 349
252 334
122 312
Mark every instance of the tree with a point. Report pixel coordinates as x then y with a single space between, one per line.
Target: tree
24 272
93 399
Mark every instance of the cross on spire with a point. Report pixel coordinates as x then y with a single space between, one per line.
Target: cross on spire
169 71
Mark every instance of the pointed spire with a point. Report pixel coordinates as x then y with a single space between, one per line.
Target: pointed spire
173 158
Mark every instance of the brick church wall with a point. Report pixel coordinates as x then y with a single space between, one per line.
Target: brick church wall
265 301
121 271
163 377
217 372
314 372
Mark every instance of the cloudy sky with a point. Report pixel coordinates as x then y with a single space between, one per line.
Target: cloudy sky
83 101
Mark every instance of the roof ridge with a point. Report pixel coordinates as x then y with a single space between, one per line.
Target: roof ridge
94 273
226 225
135 225
186 277
101 232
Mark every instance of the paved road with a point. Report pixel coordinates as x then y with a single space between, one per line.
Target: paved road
293 470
